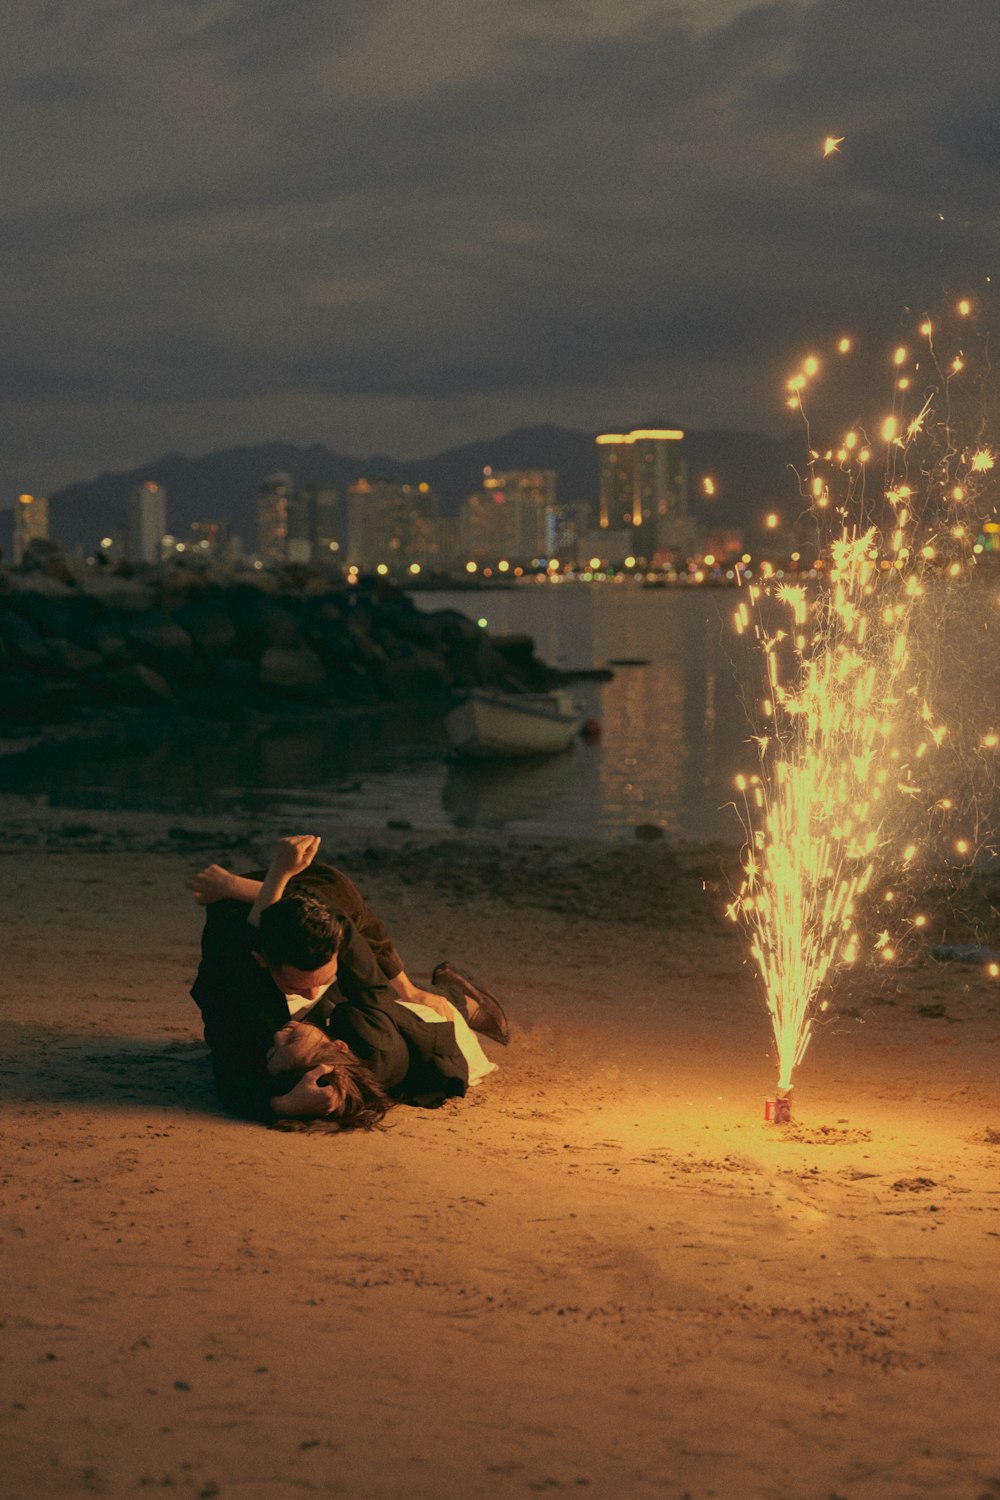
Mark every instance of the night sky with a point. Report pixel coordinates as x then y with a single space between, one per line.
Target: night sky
396 225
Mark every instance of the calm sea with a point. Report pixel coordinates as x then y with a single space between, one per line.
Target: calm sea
673 735
673 730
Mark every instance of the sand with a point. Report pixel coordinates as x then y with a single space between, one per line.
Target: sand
602 1273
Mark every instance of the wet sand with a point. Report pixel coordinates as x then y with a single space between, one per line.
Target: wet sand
601 1273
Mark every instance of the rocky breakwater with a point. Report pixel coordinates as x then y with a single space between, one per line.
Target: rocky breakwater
78 640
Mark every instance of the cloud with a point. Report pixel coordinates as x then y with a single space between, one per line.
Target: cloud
52 87
439 202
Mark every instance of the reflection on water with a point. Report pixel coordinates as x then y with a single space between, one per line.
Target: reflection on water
673 732
673 736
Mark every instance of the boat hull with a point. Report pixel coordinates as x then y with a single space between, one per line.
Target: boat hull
489 726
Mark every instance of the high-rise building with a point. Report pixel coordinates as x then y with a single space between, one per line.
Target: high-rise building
511 516
273 500
391 523
145 522
31 522
319 521
643 484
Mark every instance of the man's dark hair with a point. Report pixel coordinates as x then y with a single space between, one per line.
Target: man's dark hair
300 932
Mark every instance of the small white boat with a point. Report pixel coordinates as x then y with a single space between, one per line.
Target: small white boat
489 724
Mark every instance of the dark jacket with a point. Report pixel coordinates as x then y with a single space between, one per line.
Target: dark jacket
242 1007
416 1061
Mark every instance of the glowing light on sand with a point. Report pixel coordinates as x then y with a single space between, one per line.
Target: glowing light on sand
844 346
832 145
708 485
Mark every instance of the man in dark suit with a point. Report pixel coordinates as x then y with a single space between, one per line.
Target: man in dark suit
318 954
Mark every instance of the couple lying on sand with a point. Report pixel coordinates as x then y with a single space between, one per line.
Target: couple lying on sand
309 1015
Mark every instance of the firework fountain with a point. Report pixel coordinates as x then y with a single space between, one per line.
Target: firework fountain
845 722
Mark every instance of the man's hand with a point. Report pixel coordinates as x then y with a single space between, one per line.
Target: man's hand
307 1100
294 854
407 990
291 857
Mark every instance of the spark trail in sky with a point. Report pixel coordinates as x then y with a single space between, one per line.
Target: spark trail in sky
846 724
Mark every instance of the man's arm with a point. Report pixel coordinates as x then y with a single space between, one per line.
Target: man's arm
292 855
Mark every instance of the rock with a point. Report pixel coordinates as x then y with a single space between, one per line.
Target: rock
37 700
136 684
518 652
236 676
23 641
72 658
110 643
45 556
261 622
159 641
294 669
418 674
113 591
209 625
67 614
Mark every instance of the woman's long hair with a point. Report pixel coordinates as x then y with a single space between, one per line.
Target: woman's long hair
363 1105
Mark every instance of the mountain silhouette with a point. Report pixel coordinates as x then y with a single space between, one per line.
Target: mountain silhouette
750 472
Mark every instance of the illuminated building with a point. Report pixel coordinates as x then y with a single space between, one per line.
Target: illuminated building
511 516
211 539
145 522
643 484
390 523
31 522
273 499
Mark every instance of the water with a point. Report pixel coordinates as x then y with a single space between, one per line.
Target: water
673 731
673 736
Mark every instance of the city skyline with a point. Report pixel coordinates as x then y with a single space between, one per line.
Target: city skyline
467 218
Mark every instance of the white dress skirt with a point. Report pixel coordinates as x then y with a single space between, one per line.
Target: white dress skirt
479 1064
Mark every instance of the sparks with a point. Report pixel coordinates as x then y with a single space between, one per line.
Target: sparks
832 144
847 761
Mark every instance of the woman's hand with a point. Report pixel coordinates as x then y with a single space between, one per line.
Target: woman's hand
214 883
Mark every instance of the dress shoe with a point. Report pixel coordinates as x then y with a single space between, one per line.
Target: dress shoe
480 1007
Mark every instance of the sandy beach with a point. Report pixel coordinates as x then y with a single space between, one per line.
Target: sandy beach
602 1273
